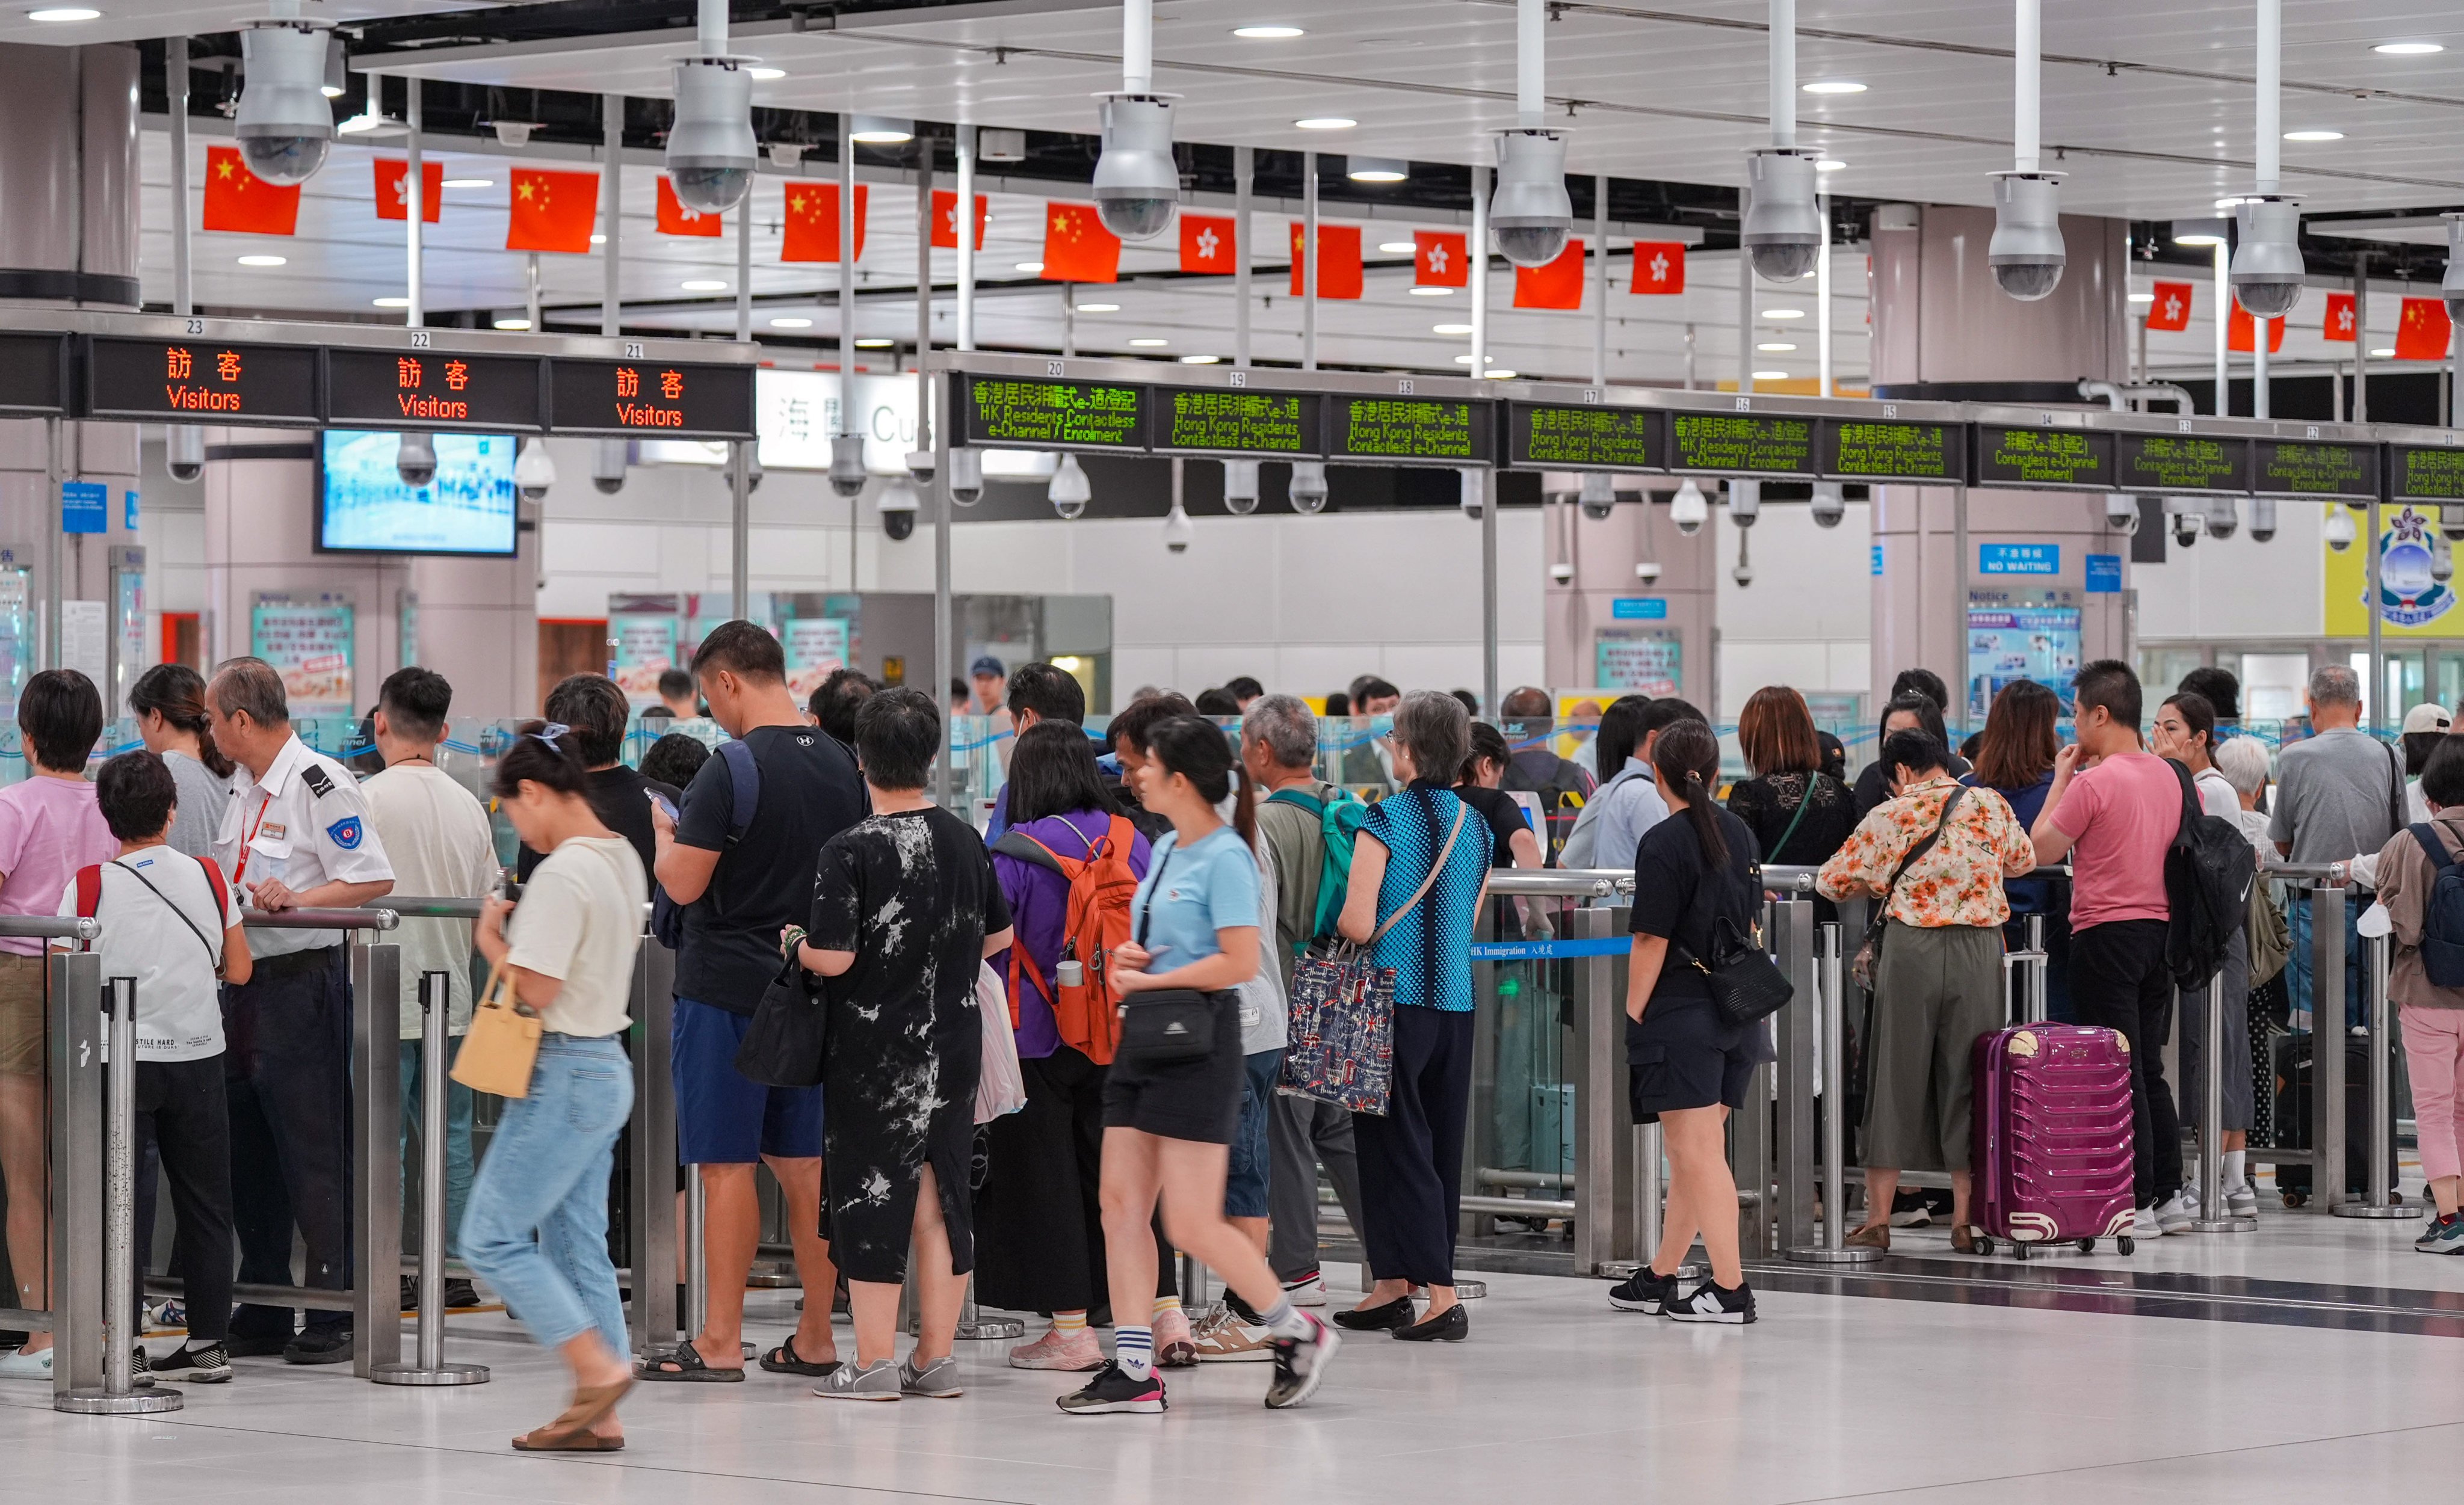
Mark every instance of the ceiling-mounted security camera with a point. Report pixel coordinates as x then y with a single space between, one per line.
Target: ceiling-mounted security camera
2122 511
846 465
184 451
1241 487
710 149
1307 488
1829 503
920 464
2267 268
2025 252
534 470
2452 286
285 123
1069 490
966 475
415 460
607 465
1177 529
1743 573
1138 183
1562 573
513 134
1598 495
2339 530
1688 509
2224 517
1783 226
1646 570
2450 521
2187 523
2262 518
897 507
1744 502
1468 492
1531 213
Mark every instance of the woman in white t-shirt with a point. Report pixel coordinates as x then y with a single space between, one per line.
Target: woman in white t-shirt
2185 732
537 1227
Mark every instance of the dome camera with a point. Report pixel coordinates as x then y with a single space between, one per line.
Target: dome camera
285 123
184 451
1068 490
1177 529
2185 529
1688 509
1783 228
710 150
2262 518
1743 573
2224 517
2267 268
1598 495
1138 183
1744 502
1531 214
897 506
607 465
1307 488
2025 252
415 461
920 464
1646 571
2452 286
2122 511
966 476
1829 503
2450 521
533 470
1562 573
1468 493
2339 530
1241 487
846 465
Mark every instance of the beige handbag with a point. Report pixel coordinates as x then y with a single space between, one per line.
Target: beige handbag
497 1054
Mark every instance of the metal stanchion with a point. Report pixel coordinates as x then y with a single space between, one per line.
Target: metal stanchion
1792 942
2327 1035
651 1253
696 1259
78 1174
2213 1218
974 1326
1600 1101
376 1129
120 1330
435 1009
1830 999
2374 1200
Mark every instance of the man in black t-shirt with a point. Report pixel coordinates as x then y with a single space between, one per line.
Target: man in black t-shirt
741 880
595 709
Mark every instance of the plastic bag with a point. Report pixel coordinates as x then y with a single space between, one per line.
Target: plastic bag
1000 1088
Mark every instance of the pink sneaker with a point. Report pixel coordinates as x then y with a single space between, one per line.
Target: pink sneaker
1176 1348
1078 1352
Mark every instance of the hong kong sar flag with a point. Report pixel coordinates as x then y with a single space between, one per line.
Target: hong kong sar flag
1437 259
1659 265
2168 312
1206 243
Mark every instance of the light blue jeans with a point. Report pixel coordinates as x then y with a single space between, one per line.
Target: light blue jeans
537 1227
459 1165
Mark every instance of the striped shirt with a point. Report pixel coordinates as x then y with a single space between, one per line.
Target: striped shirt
1429 949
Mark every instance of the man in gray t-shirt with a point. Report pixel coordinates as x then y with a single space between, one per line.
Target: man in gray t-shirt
2340 793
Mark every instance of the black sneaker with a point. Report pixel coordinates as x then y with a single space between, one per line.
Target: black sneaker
1909 1208
206 1365
460 1295
141 1372
409 1294
1644 1292
1300 1362
1713 1302
257 1345
320 1345
1114 1390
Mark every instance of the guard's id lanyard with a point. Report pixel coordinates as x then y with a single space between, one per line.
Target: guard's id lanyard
247 842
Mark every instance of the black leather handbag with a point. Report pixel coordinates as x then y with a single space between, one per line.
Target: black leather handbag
1165 1026
1745 984
789 1034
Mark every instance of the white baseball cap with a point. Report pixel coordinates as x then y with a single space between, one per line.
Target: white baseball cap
2425 717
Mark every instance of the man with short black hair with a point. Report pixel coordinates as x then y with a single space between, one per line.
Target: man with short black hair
593 707
1038 692
676 694
1564 786
2338 792
834 704
739 858
1243 688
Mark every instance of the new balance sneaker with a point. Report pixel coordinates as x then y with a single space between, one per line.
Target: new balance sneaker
1712 1302
1114 1390
1175 1346
1310 1290
206 1365
2444 1236
1077 1353
1300 1363
871 1382
1231 1339
1644 1292
936 1381
2174 1214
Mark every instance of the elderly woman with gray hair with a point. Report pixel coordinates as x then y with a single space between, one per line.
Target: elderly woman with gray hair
1418 869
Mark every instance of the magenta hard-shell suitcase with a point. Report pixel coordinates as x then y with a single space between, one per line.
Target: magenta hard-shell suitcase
2053 1158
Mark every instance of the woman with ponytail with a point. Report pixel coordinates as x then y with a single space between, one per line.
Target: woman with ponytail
169 704
1687 1066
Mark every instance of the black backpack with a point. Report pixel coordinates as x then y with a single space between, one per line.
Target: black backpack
744 776
2442 912
2209 870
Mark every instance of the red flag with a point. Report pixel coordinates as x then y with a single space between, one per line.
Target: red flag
2338 323
392 192
812 226
1659 266
1439 259
2421 334
1206 243
2241 328
237 199
2170 312
1077 248
945 219
552 211
676 219
1338 277
1559 284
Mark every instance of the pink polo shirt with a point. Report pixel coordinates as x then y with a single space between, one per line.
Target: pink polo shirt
2121 815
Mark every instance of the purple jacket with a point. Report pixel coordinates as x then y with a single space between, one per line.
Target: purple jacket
1039 910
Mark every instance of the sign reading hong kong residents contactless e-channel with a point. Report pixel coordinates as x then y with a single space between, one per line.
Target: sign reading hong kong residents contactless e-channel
430 389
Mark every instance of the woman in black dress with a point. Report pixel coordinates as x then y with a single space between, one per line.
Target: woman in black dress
1799 815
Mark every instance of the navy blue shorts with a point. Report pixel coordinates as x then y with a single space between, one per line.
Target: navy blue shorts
1244 1177
724 1117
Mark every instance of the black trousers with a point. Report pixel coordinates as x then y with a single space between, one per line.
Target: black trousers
2119 981
1040 1213
1411 1156
288 1072
182 1116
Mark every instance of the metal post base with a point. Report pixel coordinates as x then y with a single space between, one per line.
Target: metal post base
441 1374
1820 1254
1470 1290
104 1402
2224 1225
1627 1269
2365 1210
992 1327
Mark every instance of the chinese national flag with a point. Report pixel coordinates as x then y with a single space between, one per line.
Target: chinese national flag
1557 285
2170 311
2339 324
2240 329
1206 243
1439 259
945 220
1339 275
1659 266
676 219
2421 335
1077 248
552 211
238 200
391 191
812 228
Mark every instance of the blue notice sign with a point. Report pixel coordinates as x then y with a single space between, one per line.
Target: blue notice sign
85 507
128 500
2104 575
1878 559
2019 559
1640 608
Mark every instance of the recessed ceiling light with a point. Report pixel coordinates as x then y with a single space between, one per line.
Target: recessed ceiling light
1783 313
2314 136
703 284
1398 247
1325 122
1449 329
874 344
764 74
1030 266
1462 361
396 302
1200 361
1834 86
881 130
598 240
513 323
2198 232
1268 33
790 321
1500 373
261 261
2143 298
1432 293
1150 343
2222 203
1830 165
64 12
1099 307
2407 49
1776 347
1770 376
468 183
1377 169
2384 353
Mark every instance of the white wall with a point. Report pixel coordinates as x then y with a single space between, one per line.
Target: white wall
1806 619
2234 589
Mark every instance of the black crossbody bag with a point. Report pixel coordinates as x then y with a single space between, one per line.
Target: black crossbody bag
1165 1026
1746 985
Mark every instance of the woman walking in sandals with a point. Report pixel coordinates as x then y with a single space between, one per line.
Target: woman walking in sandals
537 1227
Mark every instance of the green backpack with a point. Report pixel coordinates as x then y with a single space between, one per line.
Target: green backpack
1338 821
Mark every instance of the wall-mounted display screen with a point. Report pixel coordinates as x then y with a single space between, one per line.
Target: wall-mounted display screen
365 506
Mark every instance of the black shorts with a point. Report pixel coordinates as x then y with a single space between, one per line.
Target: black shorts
1192 1099
1683 1057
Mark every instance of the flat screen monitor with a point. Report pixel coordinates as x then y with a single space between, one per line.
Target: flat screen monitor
364 508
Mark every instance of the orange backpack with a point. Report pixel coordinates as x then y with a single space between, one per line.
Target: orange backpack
1095 925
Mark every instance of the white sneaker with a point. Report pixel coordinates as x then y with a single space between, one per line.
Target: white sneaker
2173 1215
19 1365
2241 1201
2143 1223
1308 1291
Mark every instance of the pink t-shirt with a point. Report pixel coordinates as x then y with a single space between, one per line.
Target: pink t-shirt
49 828
2121 815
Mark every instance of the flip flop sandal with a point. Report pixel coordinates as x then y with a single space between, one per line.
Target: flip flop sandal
687 1367
570 1432
784 1359
547 1439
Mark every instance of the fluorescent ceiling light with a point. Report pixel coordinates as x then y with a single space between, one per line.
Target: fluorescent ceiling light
875 343
64 12
1462 361
513 323
1776 347
1150 343
1499 372
393 302
2384 353
790 321
1432 293
1834 86
1325 122
2143 298
2199 232
1770 376
1399 248
881 130
1376 169
1267 33
1200 361
260 261
703 284
1830 165
468 183
2407 49
1449 329
764 74
1099 307
2314 136
1030 266
368 122
598 240
1783 313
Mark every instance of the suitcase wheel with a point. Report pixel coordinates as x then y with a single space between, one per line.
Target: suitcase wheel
2087 1245
2020 1251
1984 1245
2125 1244
2297 1198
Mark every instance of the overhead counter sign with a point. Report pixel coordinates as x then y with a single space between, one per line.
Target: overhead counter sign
2425 473
2180 461
203 380
2064 458
1880 450
1741 444
428 390
1052 415
1412 430
34 375
667 400
2300 467
1566 436
1235 420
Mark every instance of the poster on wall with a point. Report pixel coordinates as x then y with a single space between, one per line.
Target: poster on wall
306 636
2015 635
85 639
1644 661
815 648
2413 602
645 649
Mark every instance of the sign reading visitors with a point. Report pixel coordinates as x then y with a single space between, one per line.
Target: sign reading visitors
1863 450
2019 559
2072 459
1236 421
1741 443
2419 474
2181 463
2300 467
423 389
85 507
202 380
1587 437
1052 415
1410 429
668 398
34 372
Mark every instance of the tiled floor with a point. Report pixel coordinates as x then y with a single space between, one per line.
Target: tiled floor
1553 1398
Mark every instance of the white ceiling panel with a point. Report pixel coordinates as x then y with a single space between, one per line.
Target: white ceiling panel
133 20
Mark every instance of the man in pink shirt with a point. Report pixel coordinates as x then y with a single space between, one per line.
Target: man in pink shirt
2114 809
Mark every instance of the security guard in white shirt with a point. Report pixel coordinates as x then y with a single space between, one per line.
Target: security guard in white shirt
295 836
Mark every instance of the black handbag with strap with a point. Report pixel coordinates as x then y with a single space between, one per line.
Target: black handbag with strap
1165 1026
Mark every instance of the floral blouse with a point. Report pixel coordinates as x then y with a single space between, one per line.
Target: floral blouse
1958 881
